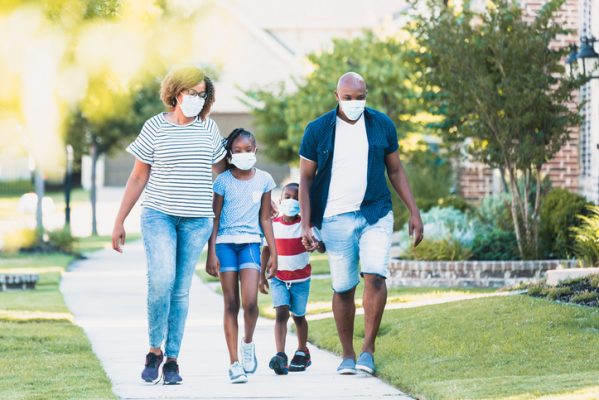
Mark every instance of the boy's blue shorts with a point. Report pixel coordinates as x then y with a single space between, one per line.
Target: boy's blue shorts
291 294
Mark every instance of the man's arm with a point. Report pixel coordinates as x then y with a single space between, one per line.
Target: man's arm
399 180
307 173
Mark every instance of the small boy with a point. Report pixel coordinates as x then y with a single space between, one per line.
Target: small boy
291 284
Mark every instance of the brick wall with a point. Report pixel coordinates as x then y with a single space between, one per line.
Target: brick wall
475 179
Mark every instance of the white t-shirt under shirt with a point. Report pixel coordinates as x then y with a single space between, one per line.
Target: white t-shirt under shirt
181 157
350 168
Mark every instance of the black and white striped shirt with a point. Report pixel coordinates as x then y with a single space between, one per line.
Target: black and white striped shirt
181 157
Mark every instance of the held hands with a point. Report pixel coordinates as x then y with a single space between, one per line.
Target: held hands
212 264
308 240
118 237
416 229
263 284
272 266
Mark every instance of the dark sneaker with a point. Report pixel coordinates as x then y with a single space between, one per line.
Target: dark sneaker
300 361
279 363
170 372
152 367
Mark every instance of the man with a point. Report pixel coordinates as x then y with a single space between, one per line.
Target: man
343 191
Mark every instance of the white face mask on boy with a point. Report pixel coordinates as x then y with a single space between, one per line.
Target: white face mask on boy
243 161
289 207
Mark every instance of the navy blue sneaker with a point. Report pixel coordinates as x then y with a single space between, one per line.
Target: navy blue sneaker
366 363
300 361
279 363
152 367
170 373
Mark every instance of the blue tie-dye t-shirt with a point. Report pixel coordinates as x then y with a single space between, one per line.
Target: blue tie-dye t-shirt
240 216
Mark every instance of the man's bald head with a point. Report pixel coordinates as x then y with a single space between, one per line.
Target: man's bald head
351 80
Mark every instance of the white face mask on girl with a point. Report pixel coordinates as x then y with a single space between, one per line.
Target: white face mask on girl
243 161
192 105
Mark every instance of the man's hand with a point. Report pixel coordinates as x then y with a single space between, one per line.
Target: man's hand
263 285
212 264
308 239
416 228
118 237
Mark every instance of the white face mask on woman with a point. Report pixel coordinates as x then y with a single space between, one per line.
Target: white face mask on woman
243 161
192 105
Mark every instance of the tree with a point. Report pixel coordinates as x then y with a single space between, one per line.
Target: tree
95 136
501 80
385 64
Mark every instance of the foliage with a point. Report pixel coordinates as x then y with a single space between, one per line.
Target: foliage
584 291
19 239
559 213
281 115
457 202
495 244
62 240
514 118
438 250
494 210
586 237
15 188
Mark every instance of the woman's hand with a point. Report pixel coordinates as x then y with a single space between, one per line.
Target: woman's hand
118 237
212 264
263 285
273 266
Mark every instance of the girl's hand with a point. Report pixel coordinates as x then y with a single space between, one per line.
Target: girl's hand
212 264
263 285
272 266
118 237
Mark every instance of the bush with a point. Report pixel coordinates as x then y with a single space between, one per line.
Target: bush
559 213
495 244
62 240
584 297
438 250
586 237
457 202
19 239
558 292
495 211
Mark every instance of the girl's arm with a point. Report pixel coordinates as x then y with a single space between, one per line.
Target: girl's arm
264 257
266 224
135 185
212 262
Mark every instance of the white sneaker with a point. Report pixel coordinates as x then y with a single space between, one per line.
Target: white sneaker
237 374
248 357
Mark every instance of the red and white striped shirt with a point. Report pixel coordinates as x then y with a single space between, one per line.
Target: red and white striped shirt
293 260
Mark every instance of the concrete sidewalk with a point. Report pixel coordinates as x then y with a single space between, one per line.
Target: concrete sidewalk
106 294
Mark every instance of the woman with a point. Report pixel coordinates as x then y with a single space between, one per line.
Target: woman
176 153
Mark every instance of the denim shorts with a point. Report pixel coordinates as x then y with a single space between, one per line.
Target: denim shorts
291 294
350 240
234 257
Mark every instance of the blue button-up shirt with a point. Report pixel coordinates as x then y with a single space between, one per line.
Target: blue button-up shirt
318 145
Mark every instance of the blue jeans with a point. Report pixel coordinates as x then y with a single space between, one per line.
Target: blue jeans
234 257
291 294
350 240
173 246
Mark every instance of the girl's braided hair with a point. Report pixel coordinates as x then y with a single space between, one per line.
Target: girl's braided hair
236 133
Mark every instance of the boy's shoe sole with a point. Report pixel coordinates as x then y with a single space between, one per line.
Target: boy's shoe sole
364 368
299 368
239 379
277 364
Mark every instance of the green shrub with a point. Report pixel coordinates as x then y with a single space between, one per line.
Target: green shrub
586 237
584 297
62 240
594 280
457 202
558 292
495 211
495 244
438 250
558 213
537 290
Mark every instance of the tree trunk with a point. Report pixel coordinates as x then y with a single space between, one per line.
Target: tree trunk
39 191
92 193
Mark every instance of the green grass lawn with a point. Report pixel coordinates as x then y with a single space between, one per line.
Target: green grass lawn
47 356
89 244
516 347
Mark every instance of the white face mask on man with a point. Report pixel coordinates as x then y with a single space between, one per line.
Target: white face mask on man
191 106
353 109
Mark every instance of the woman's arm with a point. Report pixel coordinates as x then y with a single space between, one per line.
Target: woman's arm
264 258
135 185
266 224
219 167
212 262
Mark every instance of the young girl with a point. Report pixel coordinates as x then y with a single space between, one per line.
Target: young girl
242 205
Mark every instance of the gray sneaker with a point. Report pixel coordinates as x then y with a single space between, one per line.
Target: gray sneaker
237 374
366 363
248 357
347 367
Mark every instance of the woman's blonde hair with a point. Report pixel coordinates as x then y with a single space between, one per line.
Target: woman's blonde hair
183 78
